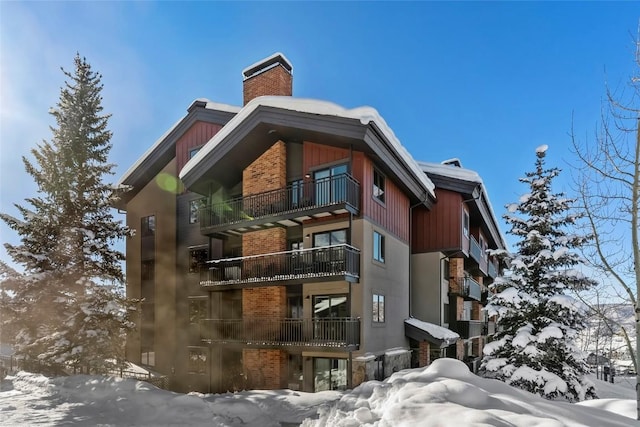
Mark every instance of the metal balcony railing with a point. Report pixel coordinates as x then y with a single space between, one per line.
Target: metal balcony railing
470 328
489 328
336 193
478 255
471 289
325 262
492 269
475 250
342 333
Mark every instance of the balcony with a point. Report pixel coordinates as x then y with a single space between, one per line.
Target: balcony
489 328
492 269
470 289
285 207
478 255
339 262
335 333
470 328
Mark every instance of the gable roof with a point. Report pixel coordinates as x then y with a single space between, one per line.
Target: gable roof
163 149
361 128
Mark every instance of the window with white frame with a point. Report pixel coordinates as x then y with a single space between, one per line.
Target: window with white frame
378 246
378 308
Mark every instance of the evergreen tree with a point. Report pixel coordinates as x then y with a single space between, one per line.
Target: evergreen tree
538 320
66 305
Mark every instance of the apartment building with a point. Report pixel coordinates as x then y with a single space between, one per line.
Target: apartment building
451 265
275 245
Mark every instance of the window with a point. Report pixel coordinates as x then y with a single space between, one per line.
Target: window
297 193
194 209
378 308
148 270
329 374
197 309
197 361
331 185
193 152
197 257
378 186
148 225
465 223
330 238
378 247
148 358
330 306
483 247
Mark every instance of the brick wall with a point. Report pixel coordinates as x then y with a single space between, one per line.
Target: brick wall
276 81
423 354
456 273
266 369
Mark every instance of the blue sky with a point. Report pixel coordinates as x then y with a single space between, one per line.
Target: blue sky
484 82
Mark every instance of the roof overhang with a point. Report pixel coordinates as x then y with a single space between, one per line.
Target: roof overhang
417 333
266 120
163 150
469 184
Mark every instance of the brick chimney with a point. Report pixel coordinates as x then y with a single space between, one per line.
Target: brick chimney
271 76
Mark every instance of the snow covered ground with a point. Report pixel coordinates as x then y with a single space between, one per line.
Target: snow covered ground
443 394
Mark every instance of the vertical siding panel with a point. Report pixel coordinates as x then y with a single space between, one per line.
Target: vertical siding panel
197 135
441 227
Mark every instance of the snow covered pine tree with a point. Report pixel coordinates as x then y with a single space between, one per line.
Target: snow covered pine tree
66 306
538 321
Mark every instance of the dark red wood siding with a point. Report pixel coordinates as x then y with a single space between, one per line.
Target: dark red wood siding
393 215
441 227
317 155
196 136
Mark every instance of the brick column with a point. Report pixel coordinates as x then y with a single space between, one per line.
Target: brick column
456 271
266 368
424 358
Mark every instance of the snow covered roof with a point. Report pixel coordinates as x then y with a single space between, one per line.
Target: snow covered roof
163 149
435 334
315 109
451 175
451 171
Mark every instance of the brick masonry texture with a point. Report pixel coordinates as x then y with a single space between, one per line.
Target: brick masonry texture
265 368
276 81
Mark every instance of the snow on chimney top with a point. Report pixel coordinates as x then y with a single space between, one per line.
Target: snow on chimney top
267 63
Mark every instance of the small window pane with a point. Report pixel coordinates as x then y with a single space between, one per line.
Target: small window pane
465 223
193 152
197 309
148 225
378 308
378 247
378 185
197 257
194 209
197 361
